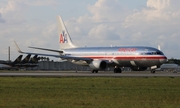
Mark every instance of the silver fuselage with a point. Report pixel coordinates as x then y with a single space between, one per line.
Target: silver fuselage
122 56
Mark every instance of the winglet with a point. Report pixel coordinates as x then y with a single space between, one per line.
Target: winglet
18 49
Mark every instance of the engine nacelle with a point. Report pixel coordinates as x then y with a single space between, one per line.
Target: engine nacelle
98 65
138 68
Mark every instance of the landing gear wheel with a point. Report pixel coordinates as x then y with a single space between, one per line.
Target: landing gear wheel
153 71
117 70
94 71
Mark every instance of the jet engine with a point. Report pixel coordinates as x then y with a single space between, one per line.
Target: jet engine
98 65
138 68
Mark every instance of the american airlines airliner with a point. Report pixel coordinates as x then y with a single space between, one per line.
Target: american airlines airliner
138 58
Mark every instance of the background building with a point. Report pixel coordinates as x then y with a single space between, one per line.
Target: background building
51 65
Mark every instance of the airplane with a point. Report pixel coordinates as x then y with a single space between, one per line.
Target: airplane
9 65
138 58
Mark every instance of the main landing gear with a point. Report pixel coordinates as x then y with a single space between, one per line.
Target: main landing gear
117 69
153 71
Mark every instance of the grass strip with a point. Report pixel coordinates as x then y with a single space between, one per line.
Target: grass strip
90 92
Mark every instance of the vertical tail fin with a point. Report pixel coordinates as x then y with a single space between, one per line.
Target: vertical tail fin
34 59
64 37
18 60
26 59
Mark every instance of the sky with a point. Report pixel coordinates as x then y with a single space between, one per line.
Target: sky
90 23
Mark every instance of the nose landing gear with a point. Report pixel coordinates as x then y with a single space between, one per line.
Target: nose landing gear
117 69
94 71
153 71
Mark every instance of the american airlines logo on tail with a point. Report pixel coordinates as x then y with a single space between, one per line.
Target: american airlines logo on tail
63 37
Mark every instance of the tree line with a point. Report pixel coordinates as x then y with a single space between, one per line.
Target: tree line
172 60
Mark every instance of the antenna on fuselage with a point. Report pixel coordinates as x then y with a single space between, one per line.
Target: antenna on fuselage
159 48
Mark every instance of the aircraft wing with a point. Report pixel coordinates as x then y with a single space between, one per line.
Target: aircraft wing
57 56
46 49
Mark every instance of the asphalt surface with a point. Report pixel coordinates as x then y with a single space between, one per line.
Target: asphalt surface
85 74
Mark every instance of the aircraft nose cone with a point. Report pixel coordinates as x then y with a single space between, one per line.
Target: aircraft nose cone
163 60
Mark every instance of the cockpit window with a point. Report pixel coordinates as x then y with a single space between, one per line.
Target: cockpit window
154 53
159 53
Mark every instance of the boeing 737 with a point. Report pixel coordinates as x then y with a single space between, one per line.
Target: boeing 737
138 58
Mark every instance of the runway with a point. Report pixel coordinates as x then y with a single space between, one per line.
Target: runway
84 74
